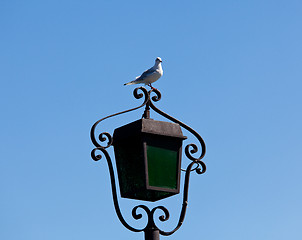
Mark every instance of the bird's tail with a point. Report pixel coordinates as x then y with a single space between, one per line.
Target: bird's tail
129 83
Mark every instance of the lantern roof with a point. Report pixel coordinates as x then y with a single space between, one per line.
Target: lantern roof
149 126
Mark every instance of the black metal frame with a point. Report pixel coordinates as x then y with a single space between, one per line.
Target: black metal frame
151 230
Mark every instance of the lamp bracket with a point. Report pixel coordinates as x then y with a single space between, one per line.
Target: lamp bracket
104 140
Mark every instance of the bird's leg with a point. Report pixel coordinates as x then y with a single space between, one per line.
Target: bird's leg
151 86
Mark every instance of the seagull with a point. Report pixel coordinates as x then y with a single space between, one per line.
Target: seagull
149 76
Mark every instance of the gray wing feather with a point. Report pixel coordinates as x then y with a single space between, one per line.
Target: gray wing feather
145 74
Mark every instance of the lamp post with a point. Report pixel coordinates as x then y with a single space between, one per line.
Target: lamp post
148 162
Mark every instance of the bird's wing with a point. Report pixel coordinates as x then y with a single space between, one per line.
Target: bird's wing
145 74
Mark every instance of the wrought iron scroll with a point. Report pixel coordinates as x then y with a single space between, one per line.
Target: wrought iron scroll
102 137
190 149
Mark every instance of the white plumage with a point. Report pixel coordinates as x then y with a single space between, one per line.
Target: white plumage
150 76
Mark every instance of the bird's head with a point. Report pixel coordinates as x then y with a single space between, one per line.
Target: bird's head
158 60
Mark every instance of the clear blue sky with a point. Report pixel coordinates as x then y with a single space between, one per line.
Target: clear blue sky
232 71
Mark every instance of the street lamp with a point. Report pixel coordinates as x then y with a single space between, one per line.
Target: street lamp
148 161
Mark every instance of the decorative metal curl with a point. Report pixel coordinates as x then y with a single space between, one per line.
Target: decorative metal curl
158 95
200 168
189 150
194 148
101 136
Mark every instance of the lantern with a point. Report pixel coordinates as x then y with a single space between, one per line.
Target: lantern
148 159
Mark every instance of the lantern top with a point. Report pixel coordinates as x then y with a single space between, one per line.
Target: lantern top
149 126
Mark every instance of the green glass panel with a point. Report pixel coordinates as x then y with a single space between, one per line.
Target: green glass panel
162 167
